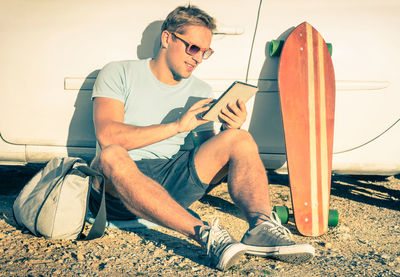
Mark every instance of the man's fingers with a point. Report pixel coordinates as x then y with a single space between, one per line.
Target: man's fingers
200 110
239 108
200 103
225 119
229 114
234 108
242 105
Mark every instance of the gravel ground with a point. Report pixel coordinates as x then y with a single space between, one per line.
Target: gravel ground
366 242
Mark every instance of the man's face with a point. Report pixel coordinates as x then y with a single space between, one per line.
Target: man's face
179 62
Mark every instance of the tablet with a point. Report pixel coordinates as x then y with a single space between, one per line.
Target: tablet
238 90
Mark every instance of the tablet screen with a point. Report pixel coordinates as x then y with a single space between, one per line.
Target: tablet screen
238 90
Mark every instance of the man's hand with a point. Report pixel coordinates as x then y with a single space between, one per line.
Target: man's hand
189 120
233 115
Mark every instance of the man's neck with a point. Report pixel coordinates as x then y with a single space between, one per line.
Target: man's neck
160 70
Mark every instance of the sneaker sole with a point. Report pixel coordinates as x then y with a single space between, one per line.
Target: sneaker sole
230 256
298 253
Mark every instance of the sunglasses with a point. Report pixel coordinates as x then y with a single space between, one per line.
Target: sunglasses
192 49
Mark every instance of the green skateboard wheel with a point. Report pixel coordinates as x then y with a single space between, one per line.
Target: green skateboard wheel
330 48
275 47
283 213
333 219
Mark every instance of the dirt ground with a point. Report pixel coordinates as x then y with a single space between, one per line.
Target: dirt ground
366 242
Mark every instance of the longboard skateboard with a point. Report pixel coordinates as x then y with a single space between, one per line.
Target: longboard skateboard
307 94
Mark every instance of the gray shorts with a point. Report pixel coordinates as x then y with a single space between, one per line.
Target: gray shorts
177 175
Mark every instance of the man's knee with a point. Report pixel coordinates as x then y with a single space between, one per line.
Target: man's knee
107 162
111 152
109 157
238 139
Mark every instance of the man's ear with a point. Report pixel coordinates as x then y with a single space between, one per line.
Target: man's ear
166 38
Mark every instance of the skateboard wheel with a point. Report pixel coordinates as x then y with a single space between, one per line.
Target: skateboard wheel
275 47
330 48
283 213
333 219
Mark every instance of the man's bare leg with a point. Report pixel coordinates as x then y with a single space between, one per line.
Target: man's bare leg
147 199
141 195
248 187
247 179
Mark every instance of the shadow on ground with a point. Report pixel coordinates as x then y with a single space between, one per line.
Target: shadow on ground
371 190
14 178
174 245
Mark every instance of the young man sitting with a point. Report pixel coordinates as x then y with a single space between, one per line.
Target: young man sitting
147 175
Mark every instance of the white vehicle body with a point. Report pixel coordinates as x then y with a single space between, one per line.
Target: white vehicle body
51 52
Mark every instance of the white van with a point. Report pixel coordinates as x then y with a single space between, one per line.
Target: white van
51 52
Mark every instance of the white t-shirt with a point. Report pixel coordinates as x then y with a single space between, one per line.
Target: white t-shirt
147 101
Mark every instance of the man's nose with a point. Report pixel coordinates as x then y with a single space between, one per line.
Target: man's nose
198 57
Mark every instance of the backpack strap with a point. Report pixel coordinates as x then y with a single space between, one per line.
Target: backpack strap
99 224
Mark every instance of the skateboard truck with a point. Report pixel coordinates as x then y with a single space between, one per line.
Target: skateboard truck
284 214
275 48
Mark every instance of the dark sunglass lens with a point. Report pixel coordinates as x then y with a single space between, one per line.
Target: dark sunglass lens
193 50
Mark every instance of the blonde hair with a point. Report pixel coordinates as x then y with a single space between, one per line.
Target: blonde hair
182 17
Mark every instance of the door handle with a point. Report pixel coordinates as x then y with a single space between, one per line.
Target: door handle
229 31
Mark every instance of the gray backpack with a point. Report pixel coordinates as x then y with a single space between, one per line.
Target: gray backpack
53 204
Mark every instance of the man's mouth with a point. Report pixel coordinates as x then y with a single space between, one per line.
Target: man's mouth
190 66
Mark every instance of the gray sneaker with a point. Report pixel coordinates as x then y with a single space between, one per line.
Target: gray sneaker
271 239
222 249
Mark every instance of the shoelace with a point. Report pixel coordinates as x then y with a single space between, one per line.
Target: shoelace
217 235
279 229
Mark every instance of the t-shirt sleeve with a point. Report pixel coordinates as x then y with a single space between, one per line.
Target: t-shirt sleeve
110 82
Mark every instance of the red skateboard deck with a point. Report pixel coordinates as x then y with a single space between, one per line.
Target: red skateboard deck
307 94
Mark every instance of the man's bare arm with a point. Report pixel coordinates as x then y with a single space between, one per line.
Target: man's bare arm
108 117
